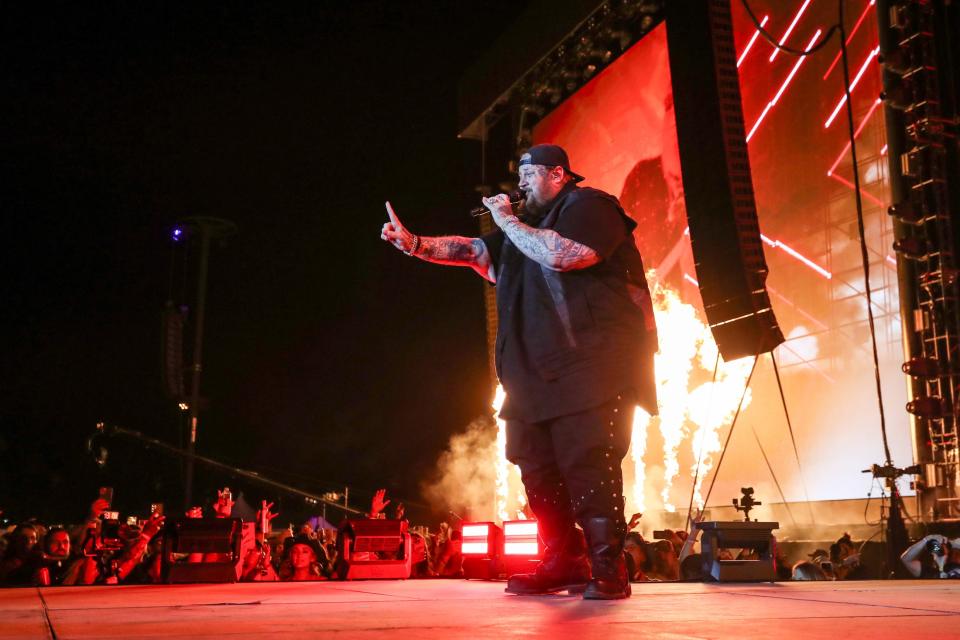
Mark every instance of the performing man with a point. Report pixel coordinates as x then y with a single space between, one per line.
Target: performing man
574 352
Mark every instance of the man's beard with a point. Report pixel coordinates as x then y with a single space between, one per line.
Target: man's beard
535 208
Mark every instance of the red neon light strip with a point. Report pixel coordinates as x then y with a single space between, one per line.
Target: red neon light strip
856 133
864 193
883 150
799 256
783 88
776 244
850 37
853 85
752 40
786 34
892 260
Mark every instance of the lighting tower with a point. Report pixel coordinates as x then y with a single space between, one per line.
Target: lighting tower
918 49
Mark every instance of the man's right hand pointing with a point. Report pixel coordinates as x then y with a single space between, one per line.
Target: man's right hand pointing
396 234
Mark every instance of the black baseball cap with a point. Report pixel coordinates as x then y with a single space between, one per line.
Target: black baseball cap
549 155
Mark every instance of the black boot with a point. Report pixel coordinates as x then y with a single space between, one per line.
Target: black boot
564 567
610 579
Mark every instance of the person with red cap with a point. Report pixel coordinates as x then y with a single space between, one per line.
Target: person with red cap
574 352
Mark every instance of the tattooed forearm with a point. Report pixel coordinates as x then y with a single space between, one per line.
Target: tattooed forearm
457 250
448 249
549 248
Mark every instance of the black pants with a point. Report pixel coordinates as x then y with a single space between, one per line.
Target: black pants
571 465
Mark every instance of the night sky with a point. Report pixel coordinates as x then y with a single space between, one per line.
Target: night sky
330 358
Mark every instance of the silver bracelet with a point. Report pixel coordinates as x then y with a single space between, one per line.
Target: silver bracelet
414 247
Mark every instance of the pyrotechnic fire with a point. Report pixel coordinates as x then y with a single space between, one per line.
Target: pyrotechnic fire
681 334
689 411
638 448
510 496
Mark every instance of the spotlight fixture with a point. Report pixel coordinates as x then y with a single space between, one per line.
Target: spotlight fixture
928 407
906 213
911 247
521 546
481 550
922 367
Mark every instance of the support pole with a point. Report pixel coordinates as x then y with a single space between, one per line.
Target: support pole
197 366
208 229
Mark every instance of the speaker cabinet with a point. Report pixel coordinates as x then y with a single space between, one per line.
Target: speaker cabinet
721 212
373 550
202 550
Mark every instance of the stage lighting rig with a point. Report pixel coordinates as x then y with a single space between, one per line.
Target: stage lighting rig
911 247
918 54
921 367
600 40
929 408
907 213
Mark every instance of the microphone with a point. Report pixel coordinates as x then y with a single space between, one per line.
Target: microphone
516 197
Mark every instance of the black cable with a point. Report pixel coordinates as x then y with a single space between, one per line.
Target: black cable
774 476
773 42
793 439
716 471
903 508
866 507
864 256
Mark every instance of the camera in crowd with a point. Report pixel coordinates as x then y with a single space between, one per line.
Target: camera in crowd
938 547
110 531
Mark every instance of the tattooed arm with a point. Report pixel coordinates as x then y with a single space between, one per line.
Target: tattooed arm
459 251
544 246
451 250
548 247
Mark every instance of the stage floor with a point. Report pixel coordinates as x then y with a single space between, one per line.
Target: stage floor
425 609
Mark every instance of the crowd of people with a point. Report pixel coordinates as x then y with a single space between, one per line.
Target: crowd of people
103 550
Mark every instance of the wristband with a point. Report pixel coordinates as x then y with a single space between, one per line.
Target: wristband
414 246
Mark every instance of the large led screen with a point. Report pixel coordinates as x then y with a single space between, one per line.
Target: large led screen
620 133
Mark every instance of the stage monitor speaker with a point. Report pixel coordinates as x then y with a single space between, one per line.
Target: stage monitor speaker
217 540
721 211
373 550
755 536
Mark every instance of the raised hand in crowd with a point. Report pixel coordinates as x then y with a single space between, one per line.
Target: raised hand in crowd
224 506
399 511
265 516
634 521
134 553
97 507
152 525
194 512
257 564
378 504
